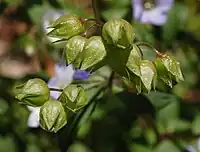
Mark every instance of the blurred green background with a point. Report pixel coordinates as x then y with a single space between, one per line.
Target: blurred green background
165 120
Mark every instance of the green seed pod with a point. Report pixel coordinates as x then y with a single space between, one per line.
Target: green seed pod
148 74
34 92
173 67
118 32
133 63
53 116
73 97
73 48
168 70
163 74
93 52
66 27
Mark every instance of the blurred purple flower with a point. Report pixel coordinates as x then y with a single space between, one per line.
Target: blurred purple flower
194 148
64 75
156 15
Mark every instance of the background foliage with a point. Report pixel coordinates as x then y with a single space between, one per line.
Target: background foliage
165 120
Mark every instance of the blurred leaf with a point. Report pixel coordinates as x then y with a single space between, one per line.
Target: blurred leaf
150 136
7 143
196 124
115 13
168 113
143 33
175 22
139 148
166 146
36 12
13 2
79 147
178 125
161 99
33 148
3 107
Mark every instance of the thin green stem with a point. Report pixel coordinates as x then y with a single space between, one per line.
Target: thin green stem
55 89
159 54
93 20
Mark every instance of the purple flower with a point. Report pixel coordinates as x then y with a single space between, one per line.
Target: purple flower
156 15
64 75
194 148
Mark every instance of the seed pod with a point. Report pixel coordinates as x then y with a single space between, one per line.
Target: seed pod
73 48
34 92
118 32
66 27
53 116
148 74
93 52
133 63
73 97
168 70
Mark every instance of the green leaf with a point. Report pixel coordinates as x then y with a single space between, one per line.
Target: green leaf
73 97
114 13
161 99
36 12
196 124
166 146
178 125
93 52
7 143
53 116
175 22
139 148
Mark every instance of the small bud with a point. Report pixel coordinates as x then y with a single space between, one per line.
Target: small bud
73 48
118 32
133 63
148 74
73 97
93 52
34 92
53 116
66 27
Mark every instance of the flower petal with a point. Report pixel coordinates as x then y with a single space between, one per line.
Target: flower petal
154 16
137 8
81 75
33 119
53 83
191 149
164 3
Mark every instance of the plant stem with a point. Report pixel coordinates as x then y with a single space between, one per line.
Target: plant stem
159 54
55 89
93 20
